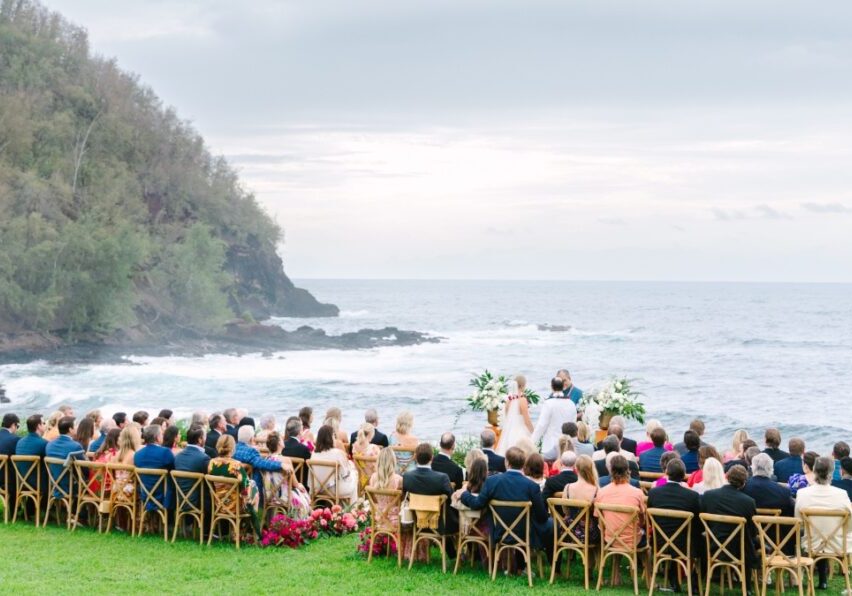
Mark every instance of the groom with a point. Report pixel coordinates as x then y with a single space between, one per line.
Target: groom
556 410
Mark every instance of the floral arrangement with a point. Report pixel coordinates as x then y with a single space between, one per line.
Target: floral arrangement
337 521
328 521
382 545
616 398
492 391
285 531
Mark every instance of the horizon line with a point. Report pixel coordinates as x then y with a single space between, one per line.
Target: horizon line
531 279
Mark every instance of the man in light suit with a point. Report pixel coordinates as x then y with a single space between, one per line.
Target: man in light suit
555 411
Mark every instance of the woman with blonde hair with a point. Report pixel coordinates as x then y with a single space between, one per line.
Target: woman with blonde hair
225 465
582 446
129 442
404 442
51 430
386 478
363 445
713 476
586 486
565 443
736 451
472 455
334 418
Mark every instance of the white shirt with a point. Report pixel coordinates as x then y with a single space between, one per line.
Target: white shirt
555 411
823 496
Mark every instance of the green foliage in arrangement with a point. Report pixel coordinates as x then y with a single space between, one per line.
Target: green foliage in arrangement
112 210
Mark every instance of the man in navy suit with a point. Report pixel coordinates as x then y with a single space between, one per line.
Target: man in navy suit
845 481
649 461
293 447
192 459
730 500
788 466
63 447
496 463
218 427
379 438
423 480
514 486
767 494
154 456
443 462
8 441
32 444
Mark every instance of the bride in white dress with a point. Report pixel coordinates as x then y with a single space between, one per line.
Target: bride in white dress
516 418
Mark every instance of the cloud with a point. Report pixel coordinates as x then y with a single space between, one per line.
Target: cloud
612 221
767 212
728 214
826 208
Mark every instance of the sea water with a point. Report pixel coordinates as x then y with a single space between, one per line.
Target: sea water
736 355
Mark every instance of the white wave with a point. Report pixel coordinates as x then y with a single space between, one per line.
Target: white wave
353 314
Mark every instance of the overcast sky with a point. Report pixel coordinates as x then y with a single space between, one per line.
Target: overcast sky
571 140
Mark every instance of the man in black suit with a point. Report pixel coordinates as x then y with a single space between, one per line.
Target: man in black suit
295 448
555 485
730 500
496 463
379 438
767 493
423 480
443 462
217 429
609 445
192 459
772 438
845 481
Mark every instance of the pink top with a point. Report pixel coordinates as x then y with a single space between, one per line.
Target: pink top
645 445
622 494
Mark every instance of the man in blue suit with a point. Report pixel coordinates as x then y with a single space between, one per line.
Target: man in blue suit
8 441
767 493
496 463
154 456
845 481
514 486
192 459
649 461
63 447
32 444
784 468
247 454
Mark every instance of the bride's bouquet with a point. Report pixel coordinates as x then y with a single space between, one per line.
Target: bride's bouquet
490 392
617 398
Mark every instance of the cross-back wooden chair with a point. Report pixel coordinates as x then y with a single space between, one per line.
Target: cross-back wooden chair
148 501
226 505
625 523
59 497
779 534
28 474
385 504
719 552
189 487
826 538
430 517
323 478
272 507
650 476
299 469
365 466
472 537
515 534
97 498
123 495
665 547
404 457
5 493
572 528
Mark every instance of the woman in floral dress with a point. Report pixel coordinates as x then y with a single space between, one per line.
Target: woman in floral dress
225 465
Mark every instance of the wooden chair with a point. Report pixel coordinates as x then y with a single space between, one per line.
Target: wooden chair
365 466
59 497
617 545
785 530
148 501
323 480
664 544
189 486
5 493
299 469
383 502
470 535
565 539
226 505
515 534
650 476
404 457
97 500
719 554
271 508
28 474
123 494
430 516
826 538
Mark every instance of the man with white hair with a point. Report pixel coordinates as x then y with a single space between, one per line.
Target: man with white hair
379 438
555 485
267 425
247 454
767 493
605 479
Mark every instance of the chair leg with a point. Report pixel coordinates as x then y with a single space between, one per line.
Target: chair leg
529 566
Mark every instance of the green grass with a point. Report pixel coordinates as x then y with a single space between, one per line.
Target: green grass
39 560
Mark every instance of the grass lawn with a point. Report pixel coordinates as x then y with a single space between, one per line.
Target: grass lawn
53 560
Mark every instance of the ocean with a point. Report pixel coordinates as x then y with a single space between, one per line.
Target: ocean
736 355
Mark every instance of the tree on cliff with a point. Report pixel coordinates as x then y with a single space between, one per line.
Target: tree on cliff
113 213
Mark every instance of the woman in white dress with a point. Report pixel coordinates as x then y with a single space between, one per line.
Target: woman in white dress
516 419
347 476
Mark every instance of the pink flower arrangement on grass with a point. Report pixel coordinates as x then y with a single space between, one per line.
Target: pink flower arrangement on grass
327 521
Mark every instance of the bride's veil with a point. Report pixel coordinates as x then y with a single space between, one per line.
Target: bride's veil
512 387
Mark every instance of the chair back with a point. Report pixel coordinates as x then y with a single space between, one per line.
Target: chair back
225 495
122 478
86 472
617 523
664 542
826 532
513 530
323 480
428 510
384 505
766 511
27 472
785 535
192 488
566 534
4 475
365 466
650 476
57 474
718 549
148 496
298 468
404 457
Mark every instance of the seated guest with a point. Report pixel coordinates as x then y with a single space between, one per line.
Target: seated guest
85 433
648 443
161 422
199 418
140 419
572 429
402 437
821 495
293 447
218 427
120 420
689 455
607 478
750 454
379 438
627 444
386 478
171 438
347 476
232 421
664 461
611 445
583 445
730 500
534 469
306 416
740 459
712 477
51 430
363 444
277 488
806 478
267 425
736 451
845 481
617 431
167 416
9 434
514 486
66 448
106 425
129 442
107 453
767 493
472 455
565 444
674 496
555 485
423 480
247 454
443 462
696 426
621 492
840 450
772 438
649 459
245 421
586 486
154 456
225 465
334 418
791 465
704 453
496 463
32 444
192 459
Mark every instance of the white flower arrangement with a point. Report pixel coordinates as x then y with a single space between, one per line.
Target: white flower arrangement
490 393
616 398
